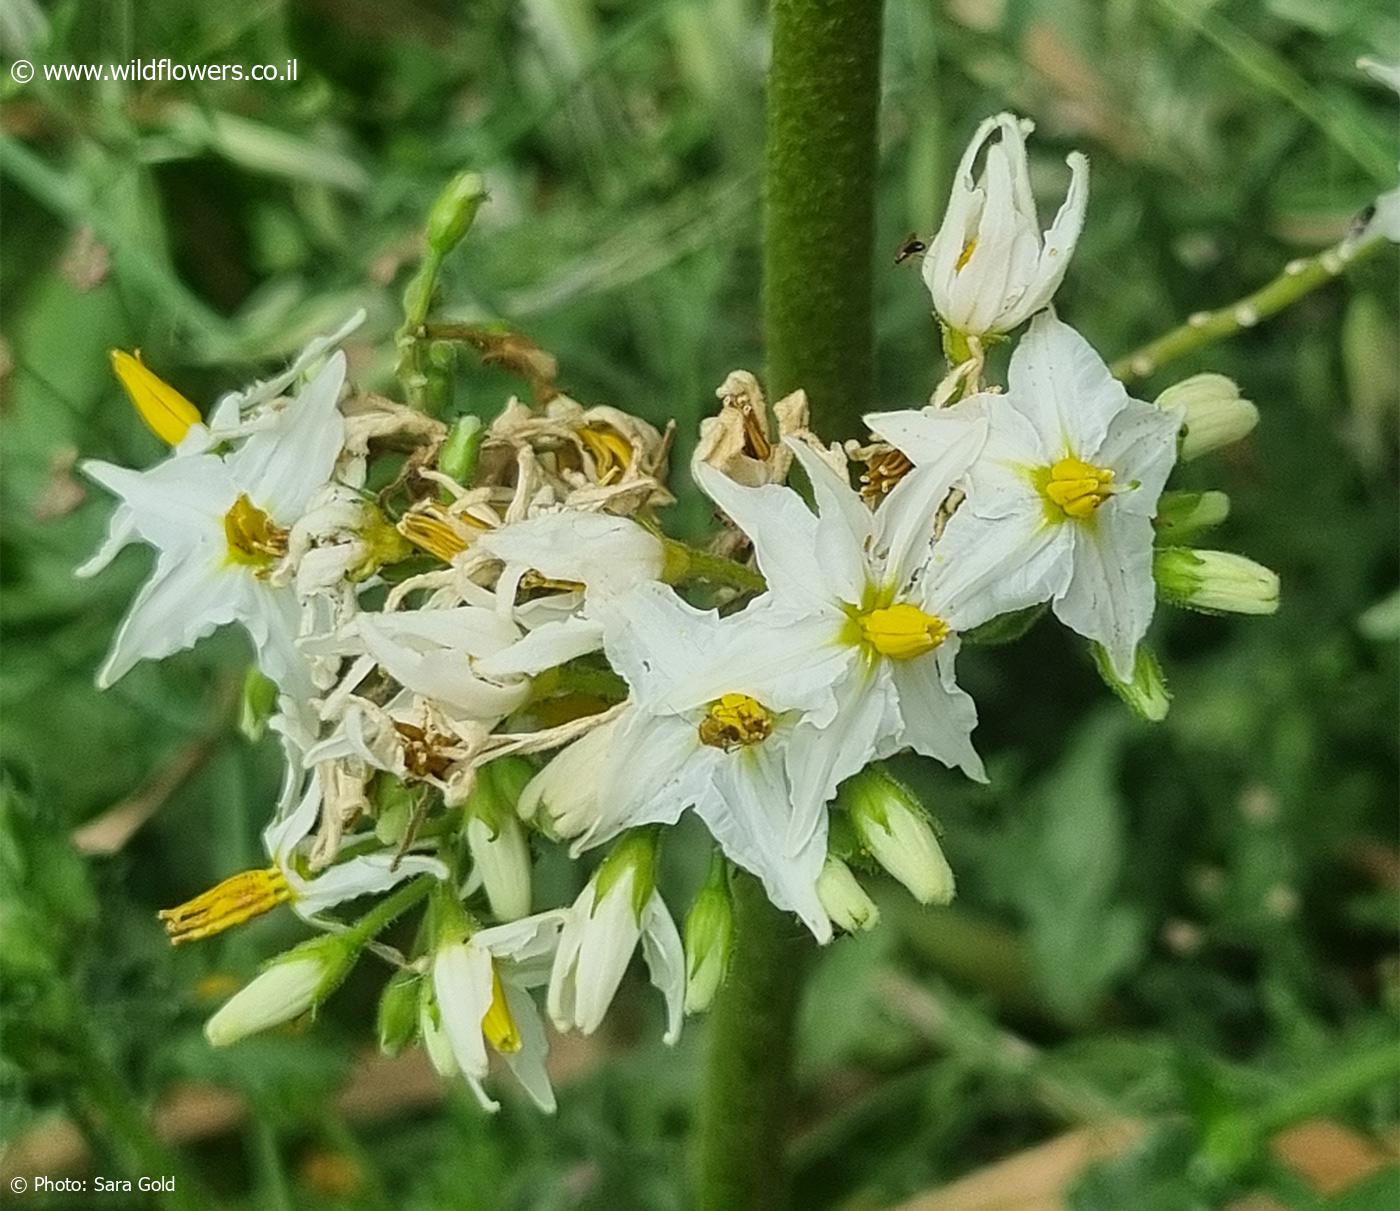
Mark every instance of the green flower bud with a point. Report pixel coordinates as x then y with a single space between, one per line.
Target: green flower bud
1215 582
290 985
636 853
257 705
844 899
1146 693
709 938
457 457
1215 415
894 829
397 1020
1182 516
452 214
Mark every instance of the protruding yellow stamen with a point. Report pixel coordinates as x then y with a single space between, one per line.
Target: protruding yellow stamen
901 631
253 537
434 533
1076 488
611 451
498 1026
735 721
168 413
239 898
965 255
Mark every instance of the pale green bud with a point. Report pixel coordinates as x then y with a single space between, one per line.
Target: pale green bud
1146 693
1213 412
1215 582
397 1020
1182 516
844 899
290 985
502 856
633 860
258 703
451 216
709 939
894 829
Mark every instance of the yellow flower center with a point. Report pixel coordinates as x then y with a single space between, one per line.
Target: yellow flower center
254 539
965 255
735 721
611 451
1074 487
901 631
168 413
239 898
498 1026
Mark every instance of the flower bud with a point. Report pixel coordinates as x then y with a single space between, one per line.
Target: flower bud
292 984
458 454
1146 693
1182 516
1215 581
1213 413
893 827
709 939
844 899
451 216
496 839
562 799
397 1020
989 268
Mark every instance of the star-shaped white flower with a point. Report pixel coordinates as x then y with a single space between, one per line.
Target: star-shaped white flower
1060 501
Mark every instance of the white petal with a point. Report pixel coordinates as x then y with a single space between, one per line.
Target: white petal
665 958
442 674
1140 448
608 554
367 875
1111 594
546 647
462 985
655 768
529 1063
1060 240
938 716
525 940
229 408
177 505
608 941
121 532
1063 388
660 644
285 832
959 225
281 466
844 525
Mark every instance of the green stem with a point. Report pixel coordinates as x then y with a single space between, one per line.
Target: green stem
1297 279
682 562
819 212
747 1094
389 909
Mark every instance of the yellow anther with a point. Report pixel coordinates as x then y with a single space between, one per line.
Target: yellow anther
239 898
168 413
498 1026
253 537
611 451
735 721
901 631
965 255
1077 488
434 533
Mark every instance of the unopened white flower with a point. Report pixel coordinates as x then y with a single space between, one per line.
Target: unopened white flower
1061 499
856 626
501 856
251 893
220 525
989 268
847 903
895 831
1212 411
618 908
480 997
1216 582
564 797
709 939
291 985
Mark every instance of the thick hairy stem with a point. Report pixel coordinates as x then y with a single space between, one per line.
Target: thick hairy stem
747 1094
819 207
1297 279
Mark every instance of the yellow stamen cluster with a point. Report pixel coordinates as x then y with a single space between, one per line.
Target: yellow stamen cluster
884 468
254 539
168 413
239 898
1076 488
611 451
432 531
901 631
498 1025
735 721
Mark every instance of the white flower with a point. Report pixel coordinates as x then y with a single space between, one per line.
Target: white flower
855 619
1060 502
219 526
989 269
1212 412
896 833
480 996
619 907
291 985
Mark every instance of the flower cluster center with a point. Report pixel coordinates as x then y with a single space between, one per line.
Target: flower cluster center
1075 487
901 631
254 539
735 721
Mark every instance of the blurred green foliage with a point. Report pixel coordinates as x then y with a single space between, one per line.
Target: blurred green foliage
1185 922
